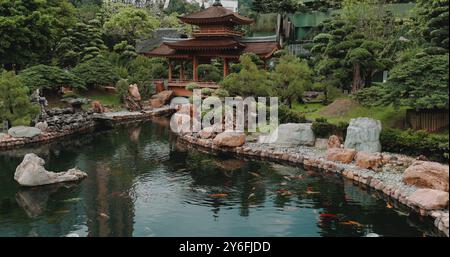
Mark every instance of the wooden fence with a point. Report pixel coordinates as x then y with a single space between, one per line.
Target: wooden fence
430 120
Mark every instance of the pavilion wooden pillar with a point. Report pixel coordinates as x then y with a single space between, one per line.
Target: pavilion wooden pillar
226 67
195 68
170 70
182 71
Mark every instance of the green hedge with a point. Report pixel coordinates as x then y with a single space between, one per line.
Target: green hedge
415 143
323 129
287 115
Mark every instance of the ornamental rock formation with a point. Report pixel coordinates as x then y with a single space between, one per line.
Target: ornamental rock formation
291 134
363 135
31 172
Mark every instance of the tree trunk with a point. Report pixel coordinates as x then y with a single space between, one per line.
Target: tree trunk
358 81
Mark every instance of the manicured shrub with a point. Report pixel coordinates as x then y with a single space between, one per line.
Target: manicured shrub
221 93
322 128
207 91
209 72
121 89
287 115
415 143
192 86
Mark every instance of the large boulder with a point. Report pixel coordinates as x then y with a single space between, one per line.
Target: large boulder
427 175
230 139
162 98
341 155
368 160
22 131
363 135
429 199
291 134
31 172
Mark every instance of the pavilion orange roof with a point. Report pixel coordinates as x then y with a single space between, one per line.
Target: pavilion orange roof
215 14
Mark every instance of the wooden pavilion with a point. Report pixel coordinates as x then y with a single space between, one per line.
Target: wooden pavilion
217 37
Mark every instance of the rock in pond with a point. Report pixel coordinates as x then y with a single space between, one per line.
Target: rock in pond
341 155
2 135
230 139
429 199
427 175
22 131
291 134
31 172
363 135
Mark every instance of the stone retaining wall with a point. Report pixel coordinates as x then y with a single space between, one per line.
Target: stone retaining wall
65 122
390 184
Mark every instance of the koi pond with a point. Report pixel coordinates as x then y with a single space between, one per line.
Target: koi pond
142 182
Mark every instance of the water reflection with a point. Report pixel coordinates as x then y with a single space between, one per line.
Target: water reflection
143 182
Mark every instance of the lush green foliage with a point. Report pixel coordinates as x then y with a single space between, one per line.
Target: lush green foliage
291 77
249 81
287 115
357 43
415 143
418 83
433 24
131 23
122 89
324 129
30 29
209 72
221 93
192 86
15 105
96 72
49 77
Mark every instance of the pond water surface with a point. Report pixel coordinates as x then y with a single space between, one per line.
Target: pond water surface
142 182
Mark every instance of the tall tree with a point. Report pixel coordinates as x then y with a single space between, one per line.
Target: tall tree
131 23
291 77
30 30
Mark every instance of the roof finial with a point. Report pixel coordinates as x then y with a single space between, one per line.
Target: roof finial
217 3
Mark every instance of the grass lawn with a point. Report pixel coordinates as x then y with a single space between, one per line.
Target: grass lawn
107 99
344 109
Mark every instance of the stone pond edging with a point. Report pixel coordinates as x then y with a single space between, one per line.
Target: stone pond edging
88 124
389 184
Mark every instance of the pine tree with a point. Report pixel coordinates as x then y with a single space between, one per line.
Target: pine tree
15 105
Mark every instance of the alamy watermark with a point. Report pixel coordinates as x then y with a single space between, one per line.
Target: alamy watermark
231 114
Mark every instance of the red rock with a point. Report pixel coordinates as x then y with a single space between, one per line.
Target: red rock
334 142
230 139
97 107
206 133
162 98
427 175
341 155
429 199
368 160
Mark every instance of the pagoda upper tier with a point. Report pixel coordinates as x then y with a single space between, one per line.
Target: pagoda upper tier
215 15
217 35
